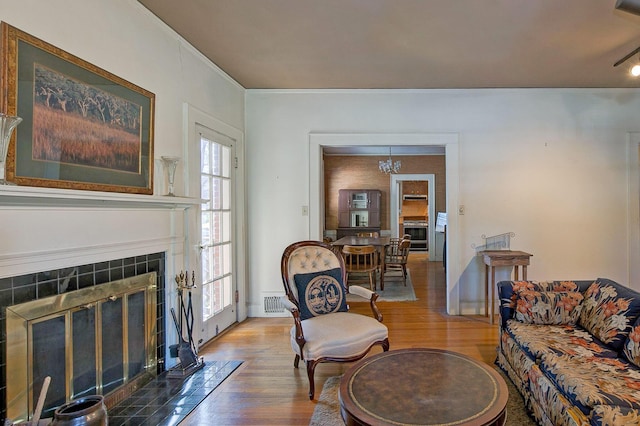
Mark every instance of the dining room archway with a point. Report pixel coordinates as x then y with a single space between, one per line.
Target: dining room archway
316 211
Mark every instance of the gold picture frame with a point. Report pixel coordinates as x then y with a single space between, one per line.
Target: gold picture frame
83 127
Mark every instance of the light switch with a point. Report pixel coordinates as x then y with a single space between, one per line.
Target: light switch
461 210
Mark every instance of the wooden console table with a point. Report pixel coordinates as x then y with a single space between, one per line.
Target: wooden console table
493 259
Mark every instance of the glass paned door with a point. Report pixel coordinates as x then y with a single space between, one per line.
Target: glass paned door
218 288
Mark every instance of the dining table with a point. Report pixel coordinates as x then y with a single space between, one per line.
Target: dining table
352 240
378 242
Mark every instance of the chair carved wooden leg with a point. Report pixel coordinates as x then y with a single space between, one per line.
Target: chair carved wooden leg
296 361
311 367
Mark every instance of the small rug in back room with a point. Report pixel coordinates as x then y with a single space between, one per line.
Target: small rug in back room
394 290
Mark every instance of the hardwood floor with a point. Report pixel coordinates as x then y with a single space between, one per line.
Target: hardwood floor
267 390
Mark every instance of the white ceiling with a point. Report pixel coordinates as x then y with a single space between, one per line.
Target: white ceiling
409 44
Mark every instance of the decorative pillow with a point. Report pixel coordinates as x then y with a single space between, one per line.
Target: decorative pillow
548 307
632 345
609 310
321 293
545 286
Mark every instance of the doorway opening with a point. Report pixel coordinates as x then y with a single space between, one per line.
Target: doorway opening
411 206
217 241
318 142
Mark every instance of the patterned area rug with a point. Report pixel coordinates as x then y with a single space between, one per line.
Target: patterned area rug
394 290
327 411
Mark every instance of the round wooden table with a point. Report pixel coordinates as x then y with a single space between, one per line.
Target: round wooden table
422 387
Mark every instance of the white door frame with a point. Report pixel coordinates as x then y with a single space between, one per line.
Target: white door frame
633 207
223 319
395 195
449 140
193 117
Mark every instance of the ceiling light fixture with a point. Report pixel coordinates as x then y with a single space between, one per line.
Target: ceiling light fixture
635 70
389 166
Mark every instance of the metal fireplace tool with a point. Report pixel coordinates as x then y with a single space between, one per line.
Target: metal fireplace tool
185 351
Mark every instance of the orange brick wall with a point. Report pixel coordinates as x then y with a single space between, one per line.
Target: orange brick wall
361 172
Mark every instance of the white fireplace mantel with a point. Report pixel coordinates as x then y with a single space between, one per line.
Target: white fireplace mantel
35 196
56 228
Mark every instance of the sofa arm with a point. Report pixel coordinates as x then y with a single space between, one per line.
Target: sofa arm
507 303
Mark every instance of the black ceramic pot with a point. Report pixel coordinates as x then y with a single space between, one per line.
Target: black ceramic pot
89 411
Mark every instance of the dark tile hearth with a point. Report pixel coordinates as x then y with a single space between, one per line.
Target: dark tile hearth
35 286
167 401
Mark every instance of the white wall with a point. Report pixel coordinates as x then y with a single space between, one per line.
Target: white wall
549 165
122 37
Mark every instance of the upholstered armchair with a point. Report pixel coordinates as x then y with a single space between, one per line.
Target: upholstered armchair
313 274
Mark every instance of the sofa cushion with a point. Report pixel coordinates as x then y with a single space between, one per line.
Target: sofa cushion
545 286
548 307
631 349
321 293
507 292
608 312
593 381
538 340
612 415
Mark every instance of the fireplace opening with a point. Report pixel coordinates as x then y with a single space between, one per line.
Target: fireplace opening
95 340
64 282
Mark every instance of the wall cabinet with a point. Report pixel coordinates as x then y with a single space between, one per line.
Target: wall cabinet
359 208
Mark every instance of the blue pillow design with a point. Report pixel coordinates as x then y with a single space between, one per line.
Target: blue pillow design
321 293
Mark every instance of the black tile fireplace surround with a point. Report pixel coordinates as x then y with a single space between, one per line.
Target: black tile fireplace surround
25 288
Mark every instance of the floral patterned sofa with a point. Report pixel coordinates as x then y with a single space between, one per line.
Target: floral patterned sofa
572 348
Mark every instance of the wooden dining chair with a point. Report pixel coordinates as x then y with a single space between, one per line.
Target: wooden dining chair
396 255
361 260
370 235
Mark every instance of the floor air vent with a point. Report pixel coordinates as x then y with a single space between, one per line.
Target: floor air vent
273 304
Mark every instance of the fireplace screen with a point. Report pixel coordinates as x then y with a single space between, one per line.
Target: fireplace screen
90 341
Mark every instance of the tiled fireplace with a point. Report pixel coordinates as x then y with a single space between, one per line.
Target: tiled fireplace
63 287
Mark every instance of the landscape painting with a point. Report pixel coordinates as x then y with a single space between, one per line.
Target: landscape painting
84 128
75 123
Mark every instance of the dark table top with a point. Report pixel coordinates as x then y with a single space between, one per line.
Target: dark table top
362 241
422 387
